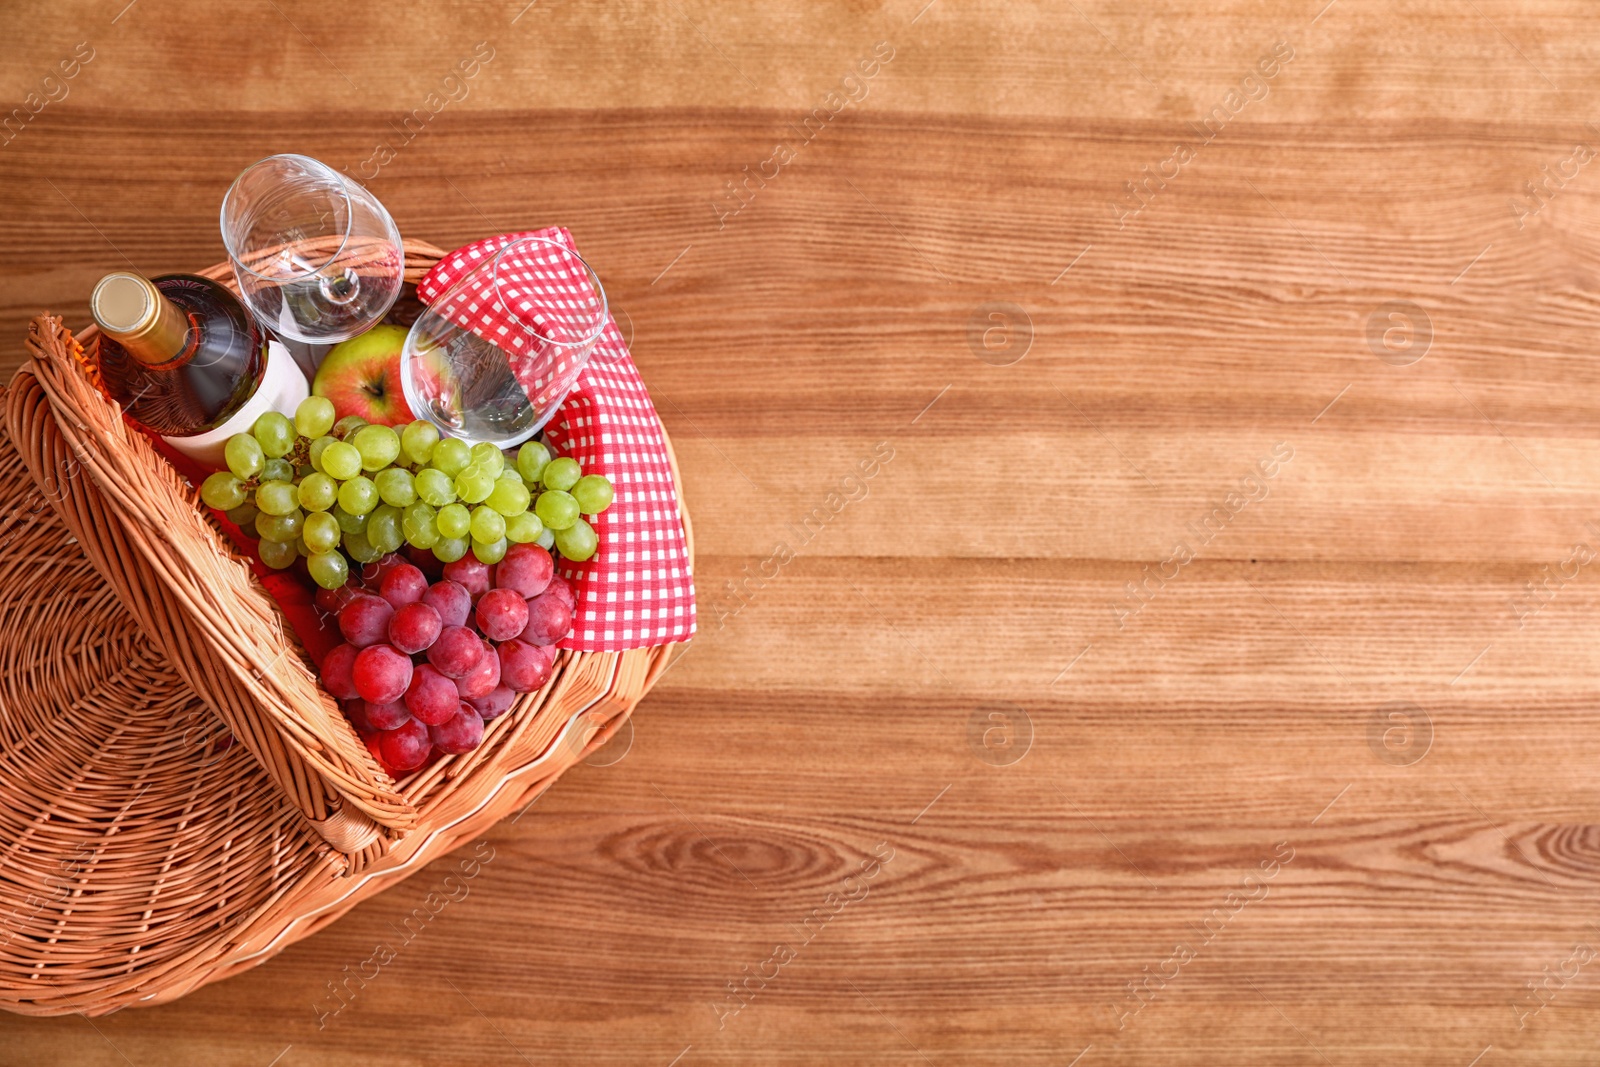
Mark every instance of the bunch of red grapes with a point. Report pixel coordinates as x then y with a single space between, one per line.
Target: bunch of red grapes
423 666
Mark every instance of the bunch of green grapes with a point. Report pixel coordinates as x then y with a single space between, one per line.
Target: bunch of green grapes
324 490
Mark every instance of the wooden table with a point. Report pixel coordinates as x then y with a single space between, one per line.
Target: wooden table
1144 470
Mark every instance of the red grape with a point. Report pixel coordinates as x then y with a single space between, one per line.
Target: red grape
523 667
414 627
495 703
562 588
461 733
381 673
334 600
336 667
526 568
387 716
406 747
374 745
356 711
365 620
369 576
403 584
431 697
471 573
502 613
549 620
451 600
431 566
482 678
457 651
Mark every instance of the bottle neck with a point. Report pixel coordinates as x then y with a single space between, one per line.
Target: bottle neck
133 312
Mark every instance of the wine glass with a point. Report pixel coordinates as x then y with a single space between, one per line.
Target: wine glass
495 354
317 257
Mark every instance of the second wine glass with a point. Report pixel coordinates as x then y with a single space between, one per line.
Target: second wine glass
317 257
495 354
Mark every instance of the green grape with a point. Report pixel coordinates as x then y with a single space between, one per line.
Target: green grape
277 498
489 552
523 528
244 456
275 433
305 470
417 522
450 549
562 473
473 484
453 521
417 440
281 528
451 456
328 569
347 522
593 494
244 513
318 492
321 532
487 524
557 510
379 446
277 470
578 541
489 457
248 528
314 453
361 550
531 460
300 547
341 460
222 491
314 416
396 486
345 427
383 528
435 487
278 554
509 496
358 496
546 538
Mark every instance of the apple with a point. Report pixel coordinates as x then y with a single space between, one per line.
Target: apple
362 377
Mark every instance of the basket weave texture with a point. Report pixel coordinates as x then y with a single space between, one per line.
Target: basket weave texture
179 799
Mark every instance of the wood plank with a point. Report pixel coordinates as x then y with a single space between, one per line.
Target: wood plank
1381 657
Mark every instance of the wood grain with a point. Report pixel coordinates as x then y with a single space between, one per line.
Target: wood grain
1350 669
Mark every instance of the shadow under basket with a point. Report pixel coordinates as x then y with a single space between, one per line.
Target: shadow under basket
179 798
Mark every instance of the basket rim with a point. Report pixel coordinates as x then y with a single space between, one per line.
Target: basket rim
362 828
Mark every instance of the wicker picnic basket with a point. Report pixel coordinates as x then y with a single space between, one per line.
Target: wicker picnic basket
179 799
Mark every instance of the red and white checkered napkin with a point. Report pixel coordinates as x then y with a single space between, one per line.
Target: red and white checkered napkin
638 590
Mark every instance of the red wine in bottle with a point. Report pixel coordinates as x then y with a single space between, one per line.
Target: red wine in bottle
178 352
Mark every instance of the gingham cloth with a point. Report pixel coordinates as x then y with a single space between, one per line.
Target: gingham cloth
638 590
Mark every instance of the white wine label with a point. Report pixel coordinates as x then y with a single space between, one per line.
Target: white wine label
282 387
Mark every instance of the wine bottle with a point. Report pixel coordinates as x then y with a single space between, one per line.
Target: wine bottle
185 360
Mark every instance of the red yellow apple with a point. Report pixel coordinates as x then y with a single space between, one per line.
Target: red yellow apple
362 377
